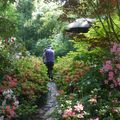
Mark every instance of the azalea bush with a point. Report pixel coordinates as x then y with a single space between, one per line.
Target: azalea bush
32 84
111 80
74 112
111 68
23 74
10 49
86 90
9 104
28 80
97 88
68 71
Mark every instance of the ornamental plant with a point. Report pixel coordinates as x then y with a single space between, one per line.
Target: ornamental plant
70 109
111 68
9 104
100 100
75 112
70 75
31 88
26 76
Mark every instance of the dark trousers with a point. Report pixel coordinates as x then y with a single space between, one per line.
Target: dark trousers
49 66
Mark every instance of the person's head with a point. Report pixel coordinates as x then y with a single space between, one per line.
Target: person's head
49 46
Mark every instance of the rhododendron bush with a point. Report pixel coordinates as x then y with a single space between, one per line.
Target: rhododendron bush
9 104
28 81
111 68
69 72
96 86
75 112
23 82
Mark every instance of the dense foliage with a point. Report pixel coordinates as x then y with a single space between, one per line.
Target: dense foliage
23 81
81 85
87 66
8 18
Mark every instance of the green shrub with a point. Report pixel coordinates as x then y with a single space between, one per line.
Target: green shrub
32 81
28 80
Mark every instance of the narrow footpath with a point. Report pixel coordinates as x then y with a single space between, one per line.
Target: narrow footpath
46 112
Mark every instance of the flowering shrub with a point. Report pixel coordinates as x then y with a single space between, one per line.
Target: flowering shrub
9 104
70 109
111 68
9 81
27 77
75 112
71 75
97 88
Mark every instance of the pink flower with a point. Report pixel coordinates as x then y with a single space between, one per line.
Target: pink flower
113 49
101 71
115 82
118 81
12 113
118 66
95 118
81 115
13 83
8 109
108 62
118 49
78 107
68 112
1 90
7 77
114 110
107 67
111 74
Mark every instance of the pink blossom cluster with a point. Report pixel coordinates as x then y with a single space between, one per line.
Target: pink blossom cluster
115 48
12 81
115 110
95 118
76 111
9 104
111 67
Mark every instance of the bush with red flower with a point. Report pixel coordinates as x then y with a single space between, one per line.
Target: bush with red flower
9 104
111 68
74 112
25 75
97 88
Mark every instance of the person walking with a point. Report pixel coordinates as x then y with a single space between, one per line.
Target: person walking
49 57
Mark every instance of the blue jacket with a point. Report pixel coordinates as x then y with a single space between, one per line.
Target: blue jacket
49 54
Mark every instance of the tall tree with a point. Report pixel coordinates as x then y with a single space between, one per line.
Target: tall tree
24 8
8 19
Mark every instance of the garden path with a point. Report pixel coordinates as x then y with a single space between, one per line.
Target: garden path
45 113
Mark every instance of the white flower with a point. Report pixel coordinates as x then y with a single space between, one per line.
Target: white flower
8 96
2 117
69 102
16 103
62 105
4 103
